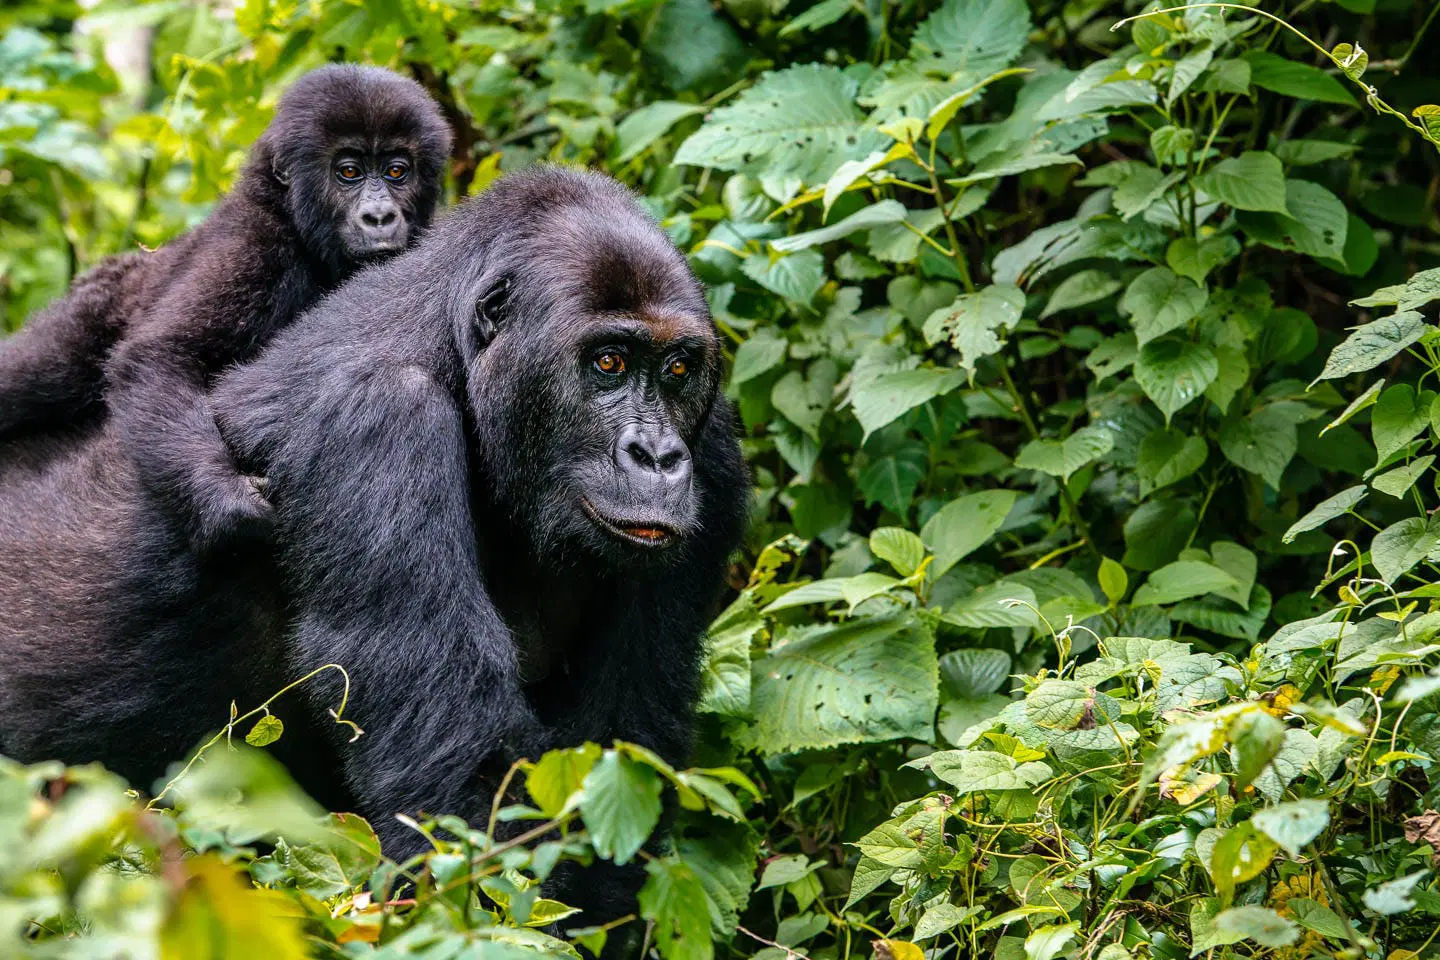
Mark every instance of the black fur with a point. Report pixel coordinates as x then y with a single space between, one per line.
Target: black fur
428 443
143 335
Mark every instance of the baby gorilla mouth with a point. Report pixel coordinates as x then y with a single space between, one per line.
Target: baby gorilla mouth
645 533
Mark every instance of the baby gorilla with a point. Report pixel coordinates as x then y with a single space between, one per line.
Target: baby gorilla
349 171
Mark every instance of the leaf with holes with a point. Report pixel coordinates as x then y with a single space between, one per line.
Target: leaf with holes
975 322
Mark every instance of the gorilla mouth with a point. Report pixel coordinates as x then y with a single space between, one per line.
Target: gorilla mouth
645 533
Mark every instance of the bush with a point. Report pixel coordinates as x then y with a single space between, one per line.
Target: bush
1084 369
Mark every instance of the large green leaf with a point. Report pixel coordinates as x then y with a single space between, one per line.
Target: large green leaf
1173 372
797 276
978 37
1401 545
1263 442
1061 458
975 321
1255 180
648 124
879 214
1298 80
1371 344
1159 301
880 400
862 681
982 771
801 122
1182 579
963 524
621 805
674 899
1317 223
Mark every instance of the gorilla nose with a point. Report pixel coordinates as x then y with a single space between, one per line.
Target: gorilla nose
646 450
378 217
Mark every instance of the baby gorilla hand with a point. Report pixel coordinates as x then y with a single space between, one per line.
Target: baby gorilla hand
230 510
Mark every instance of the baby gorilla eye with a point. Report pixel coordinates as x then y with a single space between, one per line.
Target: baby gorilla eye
677 367
396 171
610 362
348 171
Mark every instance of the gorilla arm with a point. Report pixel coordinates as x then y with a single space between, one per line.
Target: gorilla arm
369 472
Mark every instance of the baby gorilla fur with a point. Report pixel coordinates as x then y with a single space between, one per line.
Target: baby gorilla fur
142 336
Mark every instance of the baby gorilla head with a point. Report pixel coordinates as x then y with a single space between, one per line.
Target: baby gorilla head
361 152
593 368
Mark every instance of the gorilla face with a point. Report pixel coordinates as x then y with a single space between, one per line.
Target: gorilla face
371 198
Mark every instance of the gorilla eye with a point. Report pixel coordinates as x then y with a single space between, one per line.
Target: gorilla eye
396 171
349 171
677 367
610 362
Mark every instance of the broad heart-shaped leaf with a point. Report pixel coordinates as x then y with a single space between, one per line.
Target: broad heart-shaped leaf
1399 416
1353 59
1318 917
1397 482
977 37
1079 289
1373 343
1062 458
898 547
1159 301
892 481
862 681
886 211
266 731
974 321
648 124
974 672
559 775
880 400
1173 372
339 861
1298 80
1263 442
1166 457
1401 545
801 122
1061 704
964 524
797 276
1255 180
1182 579
803 399
1317 223
621 805
1195 259
762 352
1326 510
1294 824
982 771
1261 924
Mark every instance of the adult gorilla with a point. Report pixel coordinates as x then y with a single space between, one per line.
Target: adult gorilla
505 487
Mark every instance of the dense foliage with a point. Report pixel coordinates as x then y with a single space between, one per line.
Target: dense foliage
1093 597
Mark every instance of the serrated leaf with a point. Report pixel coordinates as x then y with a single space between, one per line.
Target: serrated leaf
1373 343
861 681
1326 510
975 321
762 352
974 672
977 37
1173 372
1159 301
620 806
1061 458
983 771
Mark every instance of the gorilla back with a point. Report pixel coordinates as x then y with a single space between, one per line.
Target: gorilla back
506 487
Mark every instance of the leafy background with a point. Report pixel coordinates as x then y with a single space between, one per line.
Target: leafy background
1086 376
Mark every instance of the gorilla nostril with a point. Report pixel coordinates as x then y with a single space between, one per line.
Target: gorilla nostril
383 217
671 460
640 454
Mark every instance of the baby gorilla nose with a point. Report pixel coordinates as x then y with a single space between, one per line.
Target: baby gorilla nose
643 451
379 224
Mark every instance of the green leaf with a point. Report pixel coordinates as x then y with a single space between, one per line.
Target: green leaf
1272 72
974 37
1304 153
974 322
1112 356
1156 532
1373 343
1261 924
1393 897
648 124
1241 564
892 481
1159 301
674 899
341 860
992 606
1399 416
1293 825
1263 443
1182 579
1081 289
1168 456
1186 70
1113 579
1195 259
1254 180
963 525
1353 59
559 775
1398 482
983 771
801 122
1421 289
1061 704
725 678
1173 372
1047 943
1401 545
1317 917
886 211
898 547
881 400
1317 224
803 399
1255 738
266 731
975 672
1013 165
1062 458
862 681
620 806
761 353
1326 510
797 276
821 15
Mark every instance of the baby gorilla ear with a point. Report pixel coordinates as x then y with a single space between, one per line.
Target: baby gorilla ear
490 310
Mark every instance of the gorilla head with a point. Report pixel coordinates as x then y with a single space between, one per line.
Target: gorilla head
592 366
361 153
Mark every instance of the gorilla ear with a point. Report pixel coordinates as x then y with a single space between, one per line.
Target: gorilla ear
490 310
